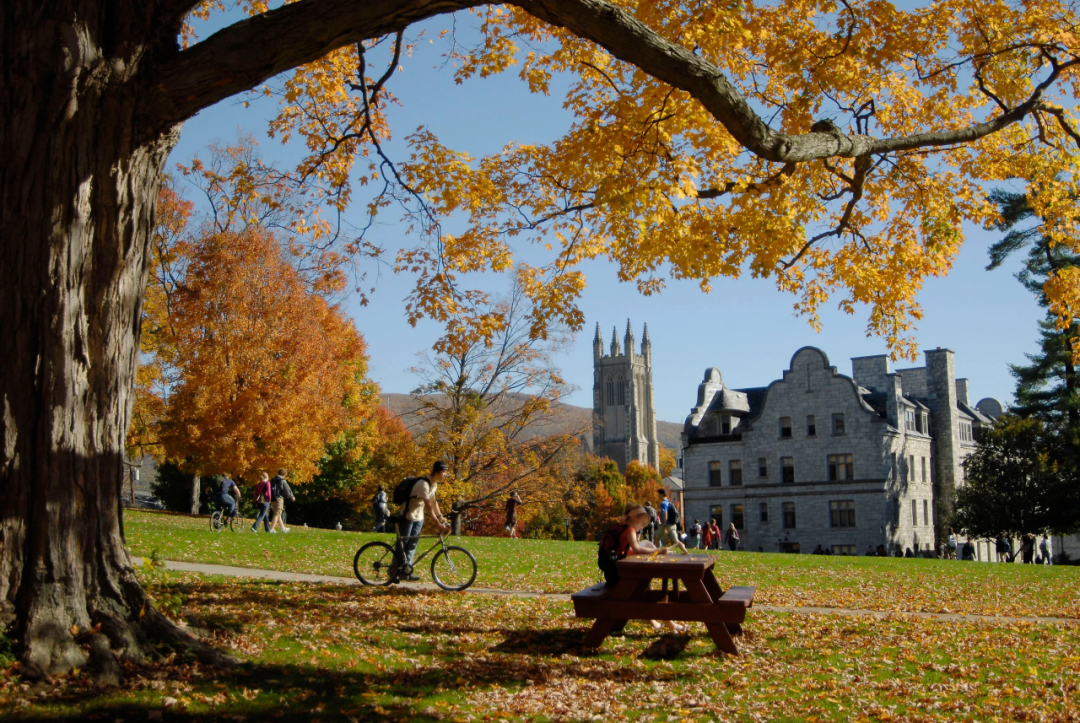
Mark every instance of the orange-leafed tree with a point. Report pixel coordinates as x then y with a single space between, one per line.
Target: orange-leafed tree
267 372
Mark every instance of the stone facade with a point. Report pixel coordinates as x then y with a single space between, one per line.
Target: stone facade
819 458
624 415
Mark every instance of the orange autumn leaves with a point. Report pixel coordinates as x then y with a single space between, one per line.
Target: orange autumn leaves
253 370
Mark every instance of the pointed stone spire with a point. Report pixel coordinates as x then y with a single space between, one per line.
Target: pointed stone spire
615 350
629 339
646 343
597 344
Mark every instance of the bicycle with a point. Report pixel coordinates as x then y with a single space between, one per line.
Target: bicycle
218 521
453 568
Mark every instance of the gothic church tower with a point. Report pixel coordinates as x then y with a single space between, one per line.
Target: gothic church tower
624 416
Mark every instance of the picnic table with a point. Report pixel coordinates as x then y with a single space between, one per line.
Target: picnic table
700 600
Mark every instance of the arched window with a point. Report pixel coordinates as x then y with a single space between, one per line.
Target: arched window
621 384
610 392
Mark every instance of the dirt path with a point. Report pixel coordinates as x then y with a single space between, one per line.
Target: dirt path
229 571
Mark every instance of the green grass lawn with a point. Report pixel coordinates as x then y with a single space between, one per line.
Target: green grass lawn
891 584
325 652
334 653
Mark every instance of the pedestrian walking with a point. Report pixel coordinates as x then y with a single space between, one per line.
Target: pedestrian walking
695 535
712 535
262 502
1001 548
512 504
732 537
279 492
1046 551
669 520
1027 548
378 506
648 532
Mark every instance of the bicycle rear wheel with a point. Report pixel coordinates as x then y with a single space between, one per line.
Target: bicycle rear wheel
374 564
453 568
236 523
215 522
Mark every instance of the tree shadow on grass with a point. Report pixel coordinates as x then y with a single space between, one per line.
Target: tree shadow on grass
353 689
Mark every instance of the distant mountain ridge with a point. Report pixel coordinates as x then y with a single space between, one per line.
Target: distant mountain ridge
564 418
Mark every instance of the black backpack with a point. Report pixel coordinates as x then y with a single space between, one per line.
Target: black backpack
672 515
403 492
609 554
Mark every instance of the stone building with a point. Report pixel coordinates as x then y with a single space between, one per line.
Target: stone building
820 458
624 416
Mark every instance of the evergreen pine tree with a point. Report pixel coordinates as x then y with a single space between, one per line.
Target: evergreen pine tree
1047 388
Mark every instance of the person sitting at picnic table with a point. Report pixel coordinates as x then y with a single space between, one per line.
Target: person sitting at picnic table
634 519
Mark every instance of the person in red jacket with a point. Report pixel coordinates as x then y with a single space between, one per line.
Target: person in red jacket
712 535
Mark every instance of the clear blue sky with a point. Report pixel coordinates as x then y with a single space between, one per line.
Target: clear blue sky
744 327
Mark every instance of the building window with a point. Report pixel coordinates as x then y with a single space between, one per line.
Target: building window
965 432
914 512
610 393
893 471
844 550
714 474
717 513
926 512
785 427
763 512
762 467
735 472
923 468
842 513
920 423
622 391
789 515
737 516
925 423
725 424
787 470
811 426
911 467
841 467
909 420
838 424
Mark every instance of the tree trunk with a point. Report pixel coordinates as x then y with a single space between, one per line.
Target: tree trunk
455 518
77 199
195 481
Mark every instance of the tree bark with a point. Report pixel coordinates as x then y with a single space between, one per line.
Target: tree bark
77 200
195 481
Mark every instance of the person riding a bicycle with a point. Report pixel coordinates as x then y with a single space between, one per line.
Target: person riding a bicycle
421 498
224 497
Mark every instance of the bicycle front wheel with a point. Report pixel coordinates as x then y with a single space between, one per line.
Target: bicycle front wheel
374 563
215 522
453 568
236 523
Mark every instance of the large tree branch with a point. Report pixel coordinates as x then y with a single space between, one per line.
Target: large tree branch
630 40
247 53
251 51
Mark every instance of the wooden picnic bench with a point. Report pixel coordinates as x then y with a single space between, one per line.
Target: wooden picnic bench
700 600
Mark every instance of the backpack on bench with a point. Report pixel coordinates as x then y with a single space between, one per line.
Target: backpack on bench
609 553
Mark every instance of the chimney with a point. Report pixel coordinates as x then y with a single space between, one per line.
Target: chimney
871 372
962 392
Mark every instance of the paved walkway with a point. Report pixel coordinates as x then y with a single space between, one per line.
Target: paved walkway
229 571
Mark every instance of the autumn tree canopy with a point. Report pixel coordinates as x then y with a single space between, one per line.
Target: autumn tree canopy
487 407
836 148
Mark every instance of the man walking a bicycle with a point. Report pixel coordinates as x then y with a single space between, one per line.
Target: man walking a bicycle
421 498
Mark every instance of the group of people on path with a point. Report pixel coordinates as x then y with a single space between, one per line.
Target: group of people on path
270 496
710 537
